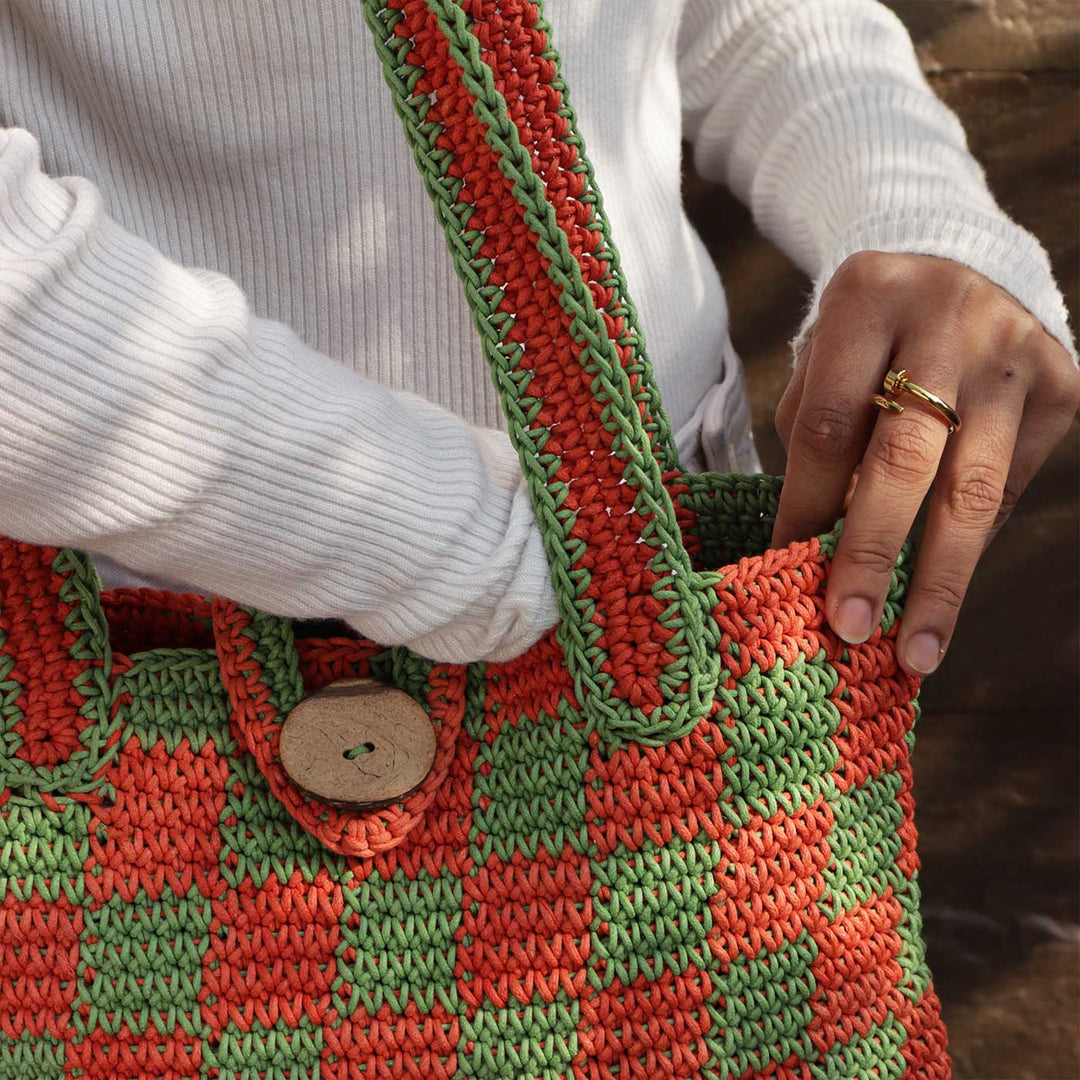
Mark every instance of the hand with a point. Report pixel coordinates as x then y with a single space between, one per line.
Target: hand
970 342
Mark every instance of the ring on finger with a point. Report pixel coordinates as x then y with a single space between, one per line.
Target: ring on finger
897 382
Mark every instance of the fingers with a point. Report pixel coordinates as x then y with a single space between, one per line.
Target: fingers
969 491
1049 410
895 476
828 425
949 328
1012 422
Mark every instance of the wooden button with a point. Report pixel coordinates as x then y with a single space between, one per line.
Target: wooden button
358 744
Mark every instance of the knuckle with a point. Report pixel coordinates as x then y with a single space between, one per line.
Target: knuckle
1019 330
1063 390
1002 302
905 450
863 271
977 296
825 429
943 592
976 494
872 553
1030 331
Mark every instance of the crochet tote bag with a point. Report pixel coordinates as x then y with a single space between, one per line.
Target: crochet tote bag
674 839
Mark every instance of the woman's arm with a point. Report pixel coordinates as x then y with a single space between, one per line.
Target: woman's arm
817 115
151 417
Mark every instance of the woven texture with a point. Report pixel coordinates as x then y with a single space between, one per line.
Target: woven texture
675 838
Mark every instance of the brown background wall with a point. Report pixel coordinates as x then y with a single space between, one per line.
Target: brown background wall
997 764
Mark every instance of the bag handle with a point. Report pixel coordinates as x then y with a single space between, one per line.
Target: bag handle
486 113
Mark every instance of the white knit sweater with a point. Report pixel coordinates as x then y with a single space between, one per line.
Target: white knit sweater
234 354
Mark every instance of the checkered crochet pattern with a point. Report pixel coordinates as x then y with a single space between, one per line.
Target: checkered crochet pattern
674 839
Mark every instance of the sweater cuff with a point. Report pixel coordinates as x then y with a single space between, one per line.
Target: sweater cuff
991 244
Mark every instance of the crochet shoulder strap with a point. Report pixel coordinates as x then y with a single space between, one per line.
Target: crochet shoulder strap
477 86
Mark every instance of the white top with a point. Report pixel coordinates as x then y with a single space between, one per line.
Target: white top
233 349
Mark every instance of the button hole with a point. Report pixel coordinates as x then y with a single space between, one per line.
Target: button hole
357 751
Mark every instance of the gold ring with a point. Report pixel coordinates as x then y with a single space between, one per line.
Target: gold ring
897 382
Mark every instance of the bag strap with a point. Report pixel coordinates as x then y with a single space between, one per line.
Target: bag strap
476 84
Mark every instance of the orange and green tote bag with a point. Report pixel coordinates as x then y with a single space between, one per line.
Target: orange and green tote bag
673 839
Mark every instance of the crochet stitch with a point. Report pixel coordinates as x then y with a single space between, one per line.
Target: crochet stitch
675 838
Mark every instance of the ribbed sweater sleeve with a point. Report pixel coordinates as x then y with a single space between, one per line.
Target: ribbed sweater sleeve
150 417
817 115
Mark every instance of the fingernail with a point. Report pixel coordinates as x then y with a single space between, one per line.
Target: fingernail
924 652
854 620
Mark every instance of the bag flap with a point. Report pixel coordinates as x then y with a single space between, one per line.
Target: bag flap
266 672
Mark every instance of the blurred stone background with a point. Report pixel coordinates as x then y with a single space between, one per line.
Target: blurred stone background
997 763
